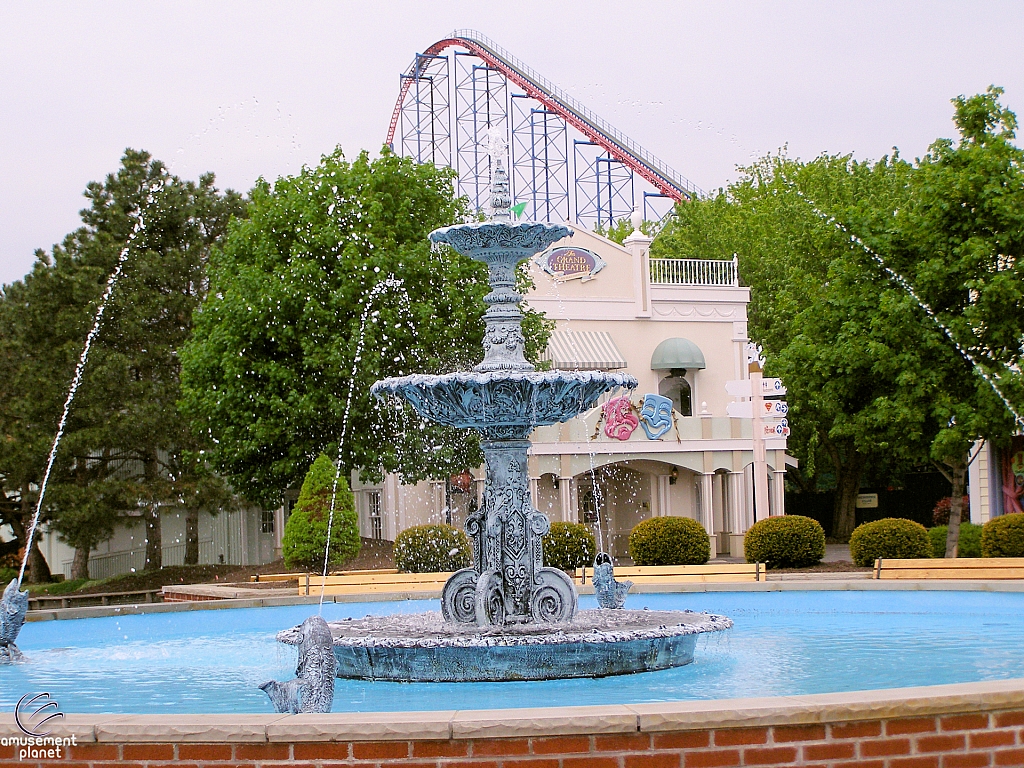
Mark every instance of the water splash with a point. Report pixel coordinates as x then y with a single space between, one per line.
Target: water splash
389 283
903 283
150 192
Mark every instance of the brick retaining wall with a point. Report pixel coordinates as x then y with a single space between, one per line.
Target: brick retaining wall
953 726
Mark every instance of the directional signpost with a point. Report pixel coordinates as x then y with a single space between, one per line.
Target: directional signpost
769 419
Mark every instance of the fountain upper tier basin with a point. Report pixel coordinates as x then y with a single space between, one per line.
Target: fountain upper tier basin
503 404
423 647
498 238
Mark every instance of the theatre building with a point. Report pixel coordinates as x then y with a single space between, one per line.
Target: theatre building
679 326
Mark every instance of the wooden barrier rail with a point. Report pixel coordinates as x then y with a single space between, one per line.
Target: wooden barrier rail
943 568
682 574
358 582
70 600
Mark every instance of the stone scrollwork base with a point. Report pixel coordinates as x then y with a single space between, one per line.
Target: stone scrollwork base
490 599
554 597
458 598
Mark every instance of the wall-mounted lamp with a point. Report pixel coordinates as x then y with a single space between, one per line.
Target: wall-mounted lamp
673 476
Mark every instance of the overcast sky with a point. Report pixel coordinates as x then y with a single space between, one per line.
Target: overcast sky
249 89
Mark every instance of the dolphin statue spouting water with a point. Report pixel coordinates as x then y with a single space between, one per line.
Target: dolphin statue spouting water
610 593
13 608
312 690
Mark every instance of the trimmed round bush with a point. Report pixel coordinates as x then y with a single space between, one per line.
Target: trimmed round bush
1003 536
305 534
669 541
6 574
788 541
569 546
432 549
889 537
968 545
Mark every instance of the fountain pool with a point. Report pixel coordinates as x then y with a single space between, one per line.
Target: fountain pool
783 643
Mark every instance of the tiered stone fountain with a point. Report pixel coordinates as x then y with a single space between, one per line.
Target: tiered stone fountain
509 617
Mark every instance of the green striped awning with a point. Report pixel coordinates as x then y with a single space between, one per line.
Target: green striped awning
583 350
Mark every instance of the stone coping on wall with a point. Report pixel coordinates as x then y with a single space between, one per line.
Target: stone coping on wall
85 612
651 718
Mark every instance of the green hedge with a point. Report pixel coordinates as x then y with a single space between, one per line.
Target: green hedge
1003 536
305 534
889 537
669 541
568 546
788 541
6 574
432 549
968 545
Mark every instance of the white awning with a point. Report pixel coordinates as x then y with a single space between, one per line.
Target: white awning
583 350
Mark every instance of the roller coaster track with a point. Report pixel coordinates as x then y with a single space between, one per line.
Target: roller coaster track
660 175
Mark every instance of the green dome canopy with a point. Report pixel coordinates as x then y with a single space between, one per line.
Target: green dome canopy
677 353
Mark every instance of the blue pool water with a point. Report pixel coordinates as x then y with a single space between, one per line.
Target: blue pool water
783 643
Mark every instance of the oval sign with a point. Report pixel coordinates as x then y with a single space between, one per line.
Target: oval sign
569 263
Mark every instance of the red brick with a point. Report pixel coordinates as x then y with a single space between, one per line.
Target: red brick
910 725
963 722
370 750
884 747
732 737
681 740
786 733
716 758
991 739
843 750
257 751
623 742
1010 757
972 760
386 764
463 763
99 752
856 730
651 760
929 761
952 743
560 745
440 749
501 747
321 750
526 762
151 752
769 755
590 761
864 764
204 751
1007 719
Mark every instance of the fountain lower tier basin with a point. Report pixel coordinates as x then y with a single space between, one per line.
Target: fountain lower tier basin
503 404
423 647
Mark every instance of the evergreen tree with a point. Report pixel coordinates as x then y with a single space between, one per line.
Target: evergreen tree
304 543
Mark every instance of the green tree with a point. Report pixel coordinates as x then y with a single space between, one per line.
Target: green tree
304 542
961 245
841 336
125 446
274 359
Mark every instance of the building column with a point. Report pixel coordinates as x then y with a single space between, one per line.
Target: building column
565 499
707 510
664 496
534 490
778 506
737 507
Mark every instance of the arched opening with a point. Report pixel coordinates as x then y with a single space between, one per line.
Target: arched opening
677 389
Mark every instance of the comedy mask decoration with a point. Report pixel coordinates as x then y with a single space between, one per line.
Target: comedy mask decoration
656 415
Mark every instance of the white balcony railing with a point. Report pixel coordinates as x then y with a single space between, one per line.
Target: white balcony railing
695 272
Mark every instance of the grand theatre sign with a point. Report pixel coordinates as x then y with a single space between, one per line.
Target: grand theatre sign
571 263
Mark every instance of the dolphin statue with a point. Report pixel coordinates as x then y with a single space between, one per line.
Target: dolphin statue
312 690
13 607
610 593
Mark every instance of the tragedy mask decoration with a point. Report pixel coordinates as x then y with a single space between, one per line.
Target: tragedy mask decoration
619 419
656 415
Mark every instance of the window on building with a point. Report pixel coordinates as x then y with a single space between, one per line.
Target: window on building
677 389
267 521
374 511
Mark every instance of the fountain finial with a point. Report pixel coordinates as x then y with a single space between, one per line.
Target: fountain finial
501 196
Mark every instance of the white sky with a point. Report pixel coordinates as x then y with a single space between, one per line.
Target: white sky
246 89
